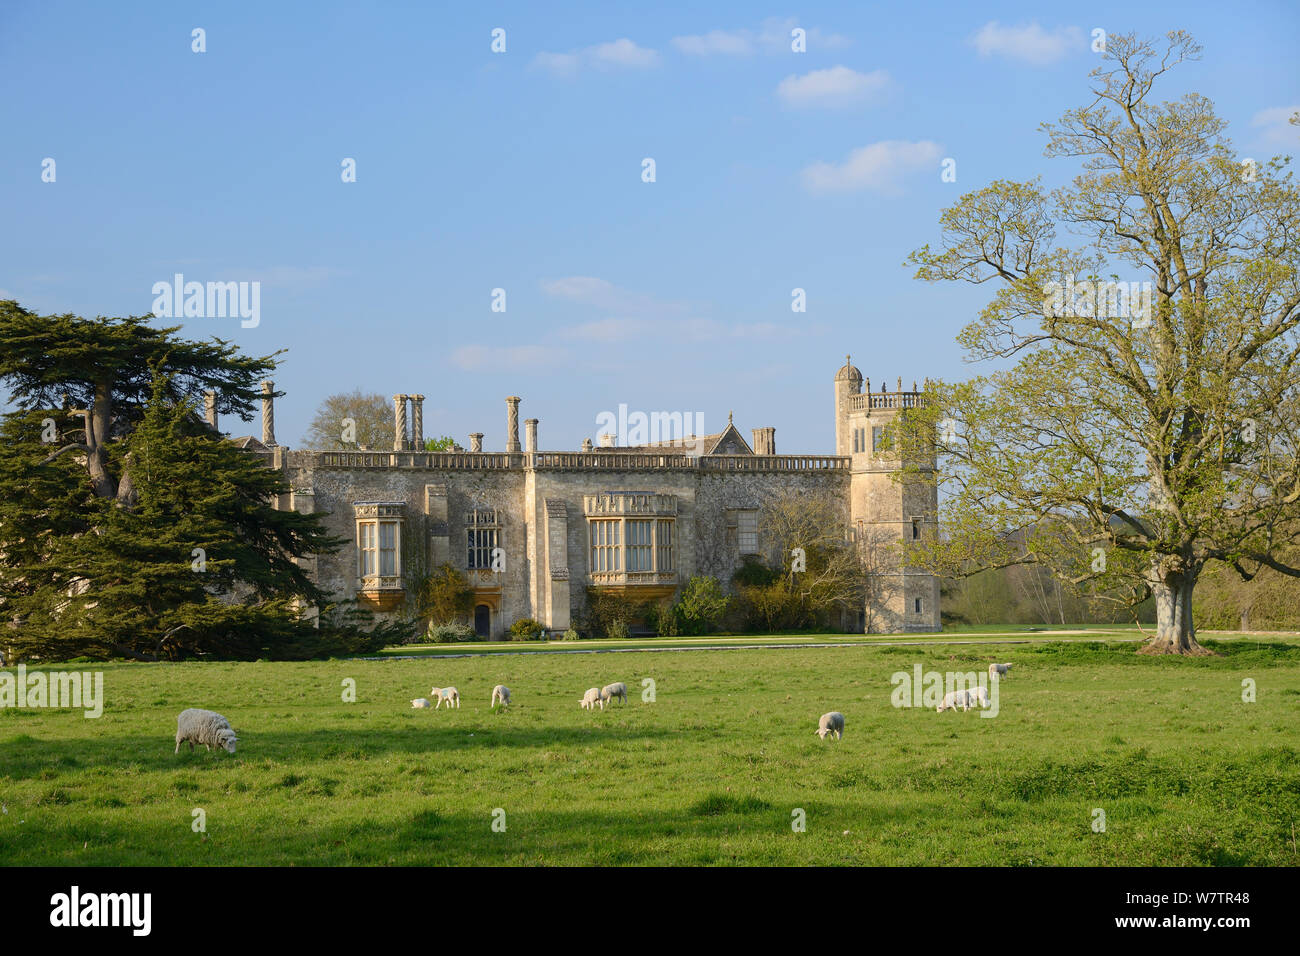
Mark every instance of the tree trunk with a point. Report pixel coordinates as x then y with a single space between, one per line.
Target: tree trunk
1175 630
99 421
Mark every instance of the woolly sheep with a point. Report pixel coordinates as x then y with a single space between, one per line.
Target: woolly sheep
591 699
449 694
501 695
421 702
832 723
965 699
195 726
610 691
998 670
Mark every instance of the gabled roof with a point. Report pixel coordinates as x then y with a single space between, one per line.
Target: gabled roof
249 443
729 441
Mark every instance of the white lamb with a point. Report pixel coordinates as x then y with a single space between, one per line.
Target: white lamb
591 699
501 695
998 670
421 702
205 727
610 691
951 701
965 699
832 723
449 694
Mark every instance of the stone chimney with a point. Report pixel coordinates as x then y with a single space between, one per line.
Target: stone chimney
765 441
210 408
512 424
607 440
268 413
399 422
586 444
417 422
476 441
530 435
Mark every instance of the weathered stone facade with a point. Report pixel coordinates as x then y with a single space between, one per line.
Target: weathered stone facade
534 529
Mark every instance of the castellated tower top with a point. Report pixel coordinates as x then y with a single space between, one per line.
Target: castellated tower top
848 372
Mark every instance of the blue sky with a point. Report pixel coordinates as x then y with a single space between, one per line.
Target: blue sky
522 171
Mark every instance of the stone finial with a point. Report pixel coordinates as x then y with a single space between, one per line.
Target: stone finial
417 422
210 408
512 424
530 435
268 412
729 418
399 422
586 444
900 383
476 441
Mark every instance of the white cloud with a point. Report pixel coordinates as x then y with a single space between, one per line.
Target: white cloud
602 294
773 36
1028 44
562 64
731 43
623 53
837 87
879 167
1275 126
474 357
617 54
648 319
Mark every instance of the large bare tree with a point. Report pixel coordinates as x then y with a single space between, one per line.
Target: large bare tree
1146 404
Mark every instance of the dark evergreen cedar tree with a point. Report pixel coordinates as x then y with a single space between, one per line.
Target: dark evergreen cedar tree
140 532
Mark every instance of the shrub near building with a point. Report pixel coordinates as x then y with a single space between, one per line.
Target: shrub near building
526 629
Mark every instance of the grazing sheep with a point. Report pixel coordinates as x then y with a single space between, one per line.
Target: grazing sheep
421 702
832 723
449 694
195 726
591 699
610 691
501 695
965 699
998 670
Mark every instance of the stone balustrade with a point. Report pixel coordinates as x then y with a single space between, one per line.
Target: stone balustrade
866 400
576 461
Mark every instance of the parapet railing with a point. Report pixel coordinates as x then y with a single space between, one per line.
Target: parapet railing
584 461
609 460
774 463
420 459
865 400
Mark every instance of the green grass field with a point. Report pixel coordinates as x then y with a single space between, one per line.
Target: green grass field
709 773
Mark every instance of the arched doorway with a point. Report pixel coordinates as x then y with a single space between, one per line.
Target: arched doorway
483 621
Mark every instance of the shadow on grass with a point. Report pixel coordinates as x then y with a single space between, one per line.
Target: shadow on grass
743 831
26 755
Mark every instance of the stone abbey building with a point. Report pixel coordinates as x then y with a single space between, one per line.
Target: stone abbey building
533 529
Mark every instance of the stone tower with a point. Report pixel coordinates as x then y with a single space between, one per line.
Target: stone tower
848 382
884 512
